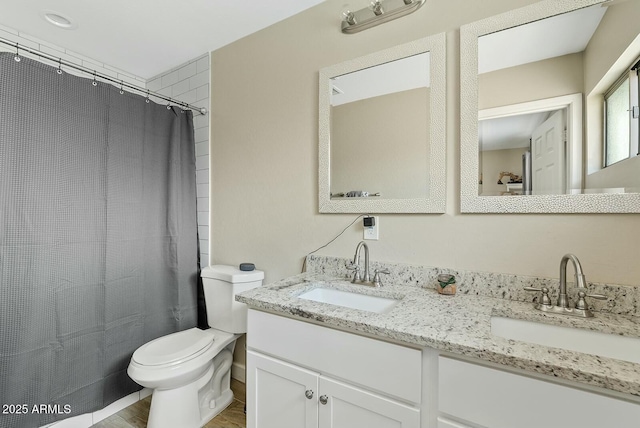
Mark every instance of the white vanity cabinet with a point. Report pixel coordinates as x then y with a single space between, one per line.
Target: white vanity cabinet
306 376
489 397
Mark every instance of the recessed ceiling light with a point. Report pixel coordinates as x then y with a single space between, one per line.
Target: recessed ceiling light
58 19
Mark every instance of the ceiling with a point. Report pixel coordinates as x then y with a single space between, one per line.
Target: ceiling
147 37
396 76
510 132
547 38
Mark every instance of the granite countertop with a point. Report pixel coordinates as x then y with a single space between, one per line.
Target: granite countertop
459 324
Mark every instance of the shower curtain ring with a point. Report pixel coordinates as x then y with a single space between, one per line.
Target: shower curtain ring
59 70
169 105
121 88
147 100
94 83
17 57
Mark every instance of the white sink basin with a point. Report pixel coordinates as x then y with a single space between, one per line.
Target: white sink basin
573 339
350 300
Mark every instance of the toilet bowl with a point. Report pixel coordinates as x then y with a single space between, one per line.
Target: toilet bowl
190 371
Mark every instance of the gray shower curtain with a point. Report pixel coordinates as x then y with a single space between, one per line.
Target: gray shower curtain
98 238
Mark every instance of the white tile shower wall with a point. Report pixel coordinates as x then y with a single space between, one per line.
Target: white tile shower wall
190 83
55 51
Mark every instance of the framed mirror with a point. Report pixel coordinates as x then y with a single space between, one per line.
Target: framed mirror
382 120
544 125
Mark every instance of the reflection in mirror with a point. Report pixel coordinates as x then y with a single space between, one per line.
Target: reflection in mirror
534 126
533 148
382 131
373 112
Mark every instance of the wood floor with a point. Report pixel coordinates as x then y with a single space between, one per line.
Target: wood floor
135 416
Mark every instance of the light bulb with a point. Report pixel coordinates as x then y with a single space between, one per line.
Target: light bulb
376 7
349 17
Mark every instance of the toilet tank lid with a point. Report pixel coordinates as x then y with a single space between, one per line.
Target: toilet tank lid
231 274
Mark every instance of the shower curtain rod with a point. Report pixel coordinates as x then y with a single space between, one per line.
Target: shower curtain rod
94 73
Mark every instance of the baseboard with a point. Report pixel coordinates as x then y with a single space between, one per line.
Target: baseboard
115 407
145 392
88 419
80 421
238 371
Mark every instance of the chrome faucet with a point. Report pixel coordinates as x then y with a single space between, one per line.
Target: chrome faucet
356 264
563 301
562 306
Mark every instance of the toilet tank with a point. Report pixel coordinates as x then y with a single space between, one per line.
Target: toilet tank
221 284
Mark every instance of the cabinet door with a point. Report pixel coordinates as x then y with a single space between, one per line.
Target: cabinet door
280 395
345 406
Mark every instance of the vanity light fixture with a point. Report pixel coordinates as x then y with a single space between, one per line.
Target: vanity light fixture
376 14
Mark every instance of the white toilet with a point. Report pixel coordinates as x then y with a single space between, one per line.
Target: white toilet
190 371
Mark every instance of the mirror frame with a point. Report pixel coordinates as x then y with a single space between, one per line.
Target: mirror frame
470 201
436 200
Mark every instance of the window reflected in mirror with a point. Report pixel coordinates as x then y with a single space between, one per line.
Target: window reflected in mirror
621 118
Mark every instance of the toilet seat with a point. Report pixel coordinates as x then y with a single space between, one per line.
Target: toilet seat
174 348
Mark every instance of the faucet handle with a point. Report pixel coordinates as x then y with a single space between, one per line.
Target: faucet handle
582 303
545 300
356 273
376 277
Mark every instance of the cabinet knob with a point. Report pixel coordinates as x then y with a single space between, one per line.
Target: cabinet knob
309 394
324 399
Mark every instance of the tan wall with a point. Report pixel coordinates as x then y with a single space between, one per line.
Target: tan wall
538 80
264 129
622 174
381 145
496 161
618 28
